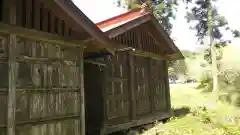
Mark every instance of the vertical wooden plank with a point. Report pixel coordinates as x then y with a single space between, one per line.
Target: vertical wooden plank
139 36
41 14
132 86
36 12
1 10
5 11
19 12
49 21
56 25
12 72
60 27
63 28
104 93
29 8
82 94
66 30
70 31
45 20
52 23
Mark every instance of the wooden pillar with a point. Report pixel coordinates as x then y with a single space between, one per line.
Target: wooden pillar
150 86
82 94
167 94
132 86
11 72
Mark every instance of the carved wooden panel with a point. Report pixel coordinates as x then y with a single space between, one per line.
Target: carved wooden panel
117 100
142 96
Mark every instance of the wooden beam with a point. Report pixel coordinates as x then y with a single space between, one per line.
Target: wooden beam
132 87
12 71
166 82
175 56
95 63
38 35
147 54
82 96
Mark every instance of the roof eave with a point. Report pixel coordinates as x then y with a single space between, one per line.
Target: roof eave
82 20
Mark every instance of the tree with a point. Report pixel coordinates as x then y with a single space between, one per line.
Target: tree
164 10
209 23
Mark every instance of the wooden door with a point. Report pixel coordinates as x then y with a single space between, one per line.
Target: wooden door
141 90
116 90
158 85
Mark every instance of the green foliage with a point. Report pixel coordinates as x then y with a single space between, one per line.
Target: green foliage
163 10
228 76
207 117
198 13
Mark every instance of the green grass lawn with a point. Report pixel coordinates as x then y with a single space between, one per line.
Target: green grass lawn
206 117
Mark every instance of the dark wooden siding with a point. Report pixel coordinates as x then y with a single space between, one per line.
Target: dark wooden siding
47 88
41 83
140 39
33 14
138 84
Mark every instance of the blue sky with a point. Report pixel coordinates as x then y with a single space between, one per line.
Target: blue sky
98 10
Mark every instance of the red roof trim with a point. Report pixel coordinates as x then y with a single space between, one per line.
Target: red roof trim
122 17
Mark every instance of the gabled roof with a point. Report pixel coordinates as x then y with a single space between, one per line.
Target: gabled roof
68 11
126 21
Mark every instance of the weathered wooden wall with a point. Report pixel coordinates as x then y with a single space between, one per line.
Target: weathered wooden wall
149 88
47 87
41 87
136 87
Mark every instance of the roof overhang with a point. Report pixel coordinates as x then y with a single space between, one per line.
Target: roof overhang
67 10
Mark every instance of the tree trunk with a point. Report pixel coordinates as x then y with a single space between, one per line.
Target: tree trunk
213 49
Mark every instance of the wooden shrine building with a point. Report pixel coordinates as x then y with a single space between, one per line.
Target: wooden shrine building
130 88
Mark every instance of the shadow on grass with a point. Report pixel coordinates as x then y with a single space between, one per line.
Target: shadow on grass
180 112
